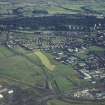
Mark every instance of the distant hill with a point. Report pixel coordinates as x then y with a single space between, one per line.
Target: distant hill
62 6
18 1
55 1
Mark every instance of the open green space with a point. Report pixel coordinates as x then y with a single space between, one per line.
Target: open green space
59 102
24 67
66 77
18 68
96 49
54 6
45 61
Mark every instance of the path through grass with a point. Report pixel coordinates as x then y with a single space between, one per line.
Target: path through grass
45 61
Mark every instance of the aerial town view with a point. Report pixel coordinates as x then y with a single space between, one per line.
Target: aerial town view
52 52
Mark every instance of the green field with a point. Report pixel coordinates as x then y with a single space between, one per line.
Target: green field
25 69
55 6
18 68
59 102
45 61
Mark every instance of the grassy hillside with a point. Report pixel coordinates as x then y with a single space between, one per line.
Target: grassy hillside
56 6
25 69
17 68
